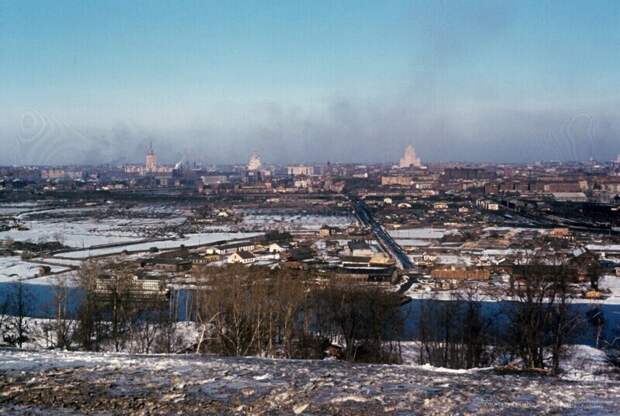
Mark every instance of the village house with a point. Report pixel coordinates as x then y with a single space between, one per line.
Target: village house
241 257
355 261
360 248
326 231
460 273
166 264
230 248
275 248
140 284
380 259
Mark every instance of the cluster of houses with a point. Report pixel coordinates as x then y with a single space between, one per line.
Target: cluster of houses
493 257
358 258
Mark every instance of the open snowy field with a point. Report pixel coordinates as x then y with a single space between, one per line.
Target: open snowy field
293 222
84 227
89 232
15 208
52 382
14 268
419 233
188 241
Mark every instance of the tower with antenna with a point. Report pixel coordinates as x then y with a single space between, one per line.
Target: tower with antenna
150 163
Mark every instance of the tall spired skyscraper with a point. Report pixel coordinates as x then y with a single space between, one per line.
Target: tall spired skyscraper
150 163
410 159
254 163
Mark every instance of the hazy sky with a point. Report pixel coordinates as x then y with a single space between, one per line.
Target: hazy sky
95 81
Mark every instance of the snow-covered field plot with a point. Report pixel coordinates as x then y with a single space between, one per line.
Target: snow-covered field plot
14 268
419 233
118 384
4 210
19 207
412 242
294 222
188 241
611 283
91 226
87 233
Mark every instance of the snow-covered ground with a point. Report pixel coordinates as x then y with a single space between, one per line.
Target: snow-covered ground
419 233
412 242
188 241
611 283
294 222
614 248
15 208
13 268
48 382
87 233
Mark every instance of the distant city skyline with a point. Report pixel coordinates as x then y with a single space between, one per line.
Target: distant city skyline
308 82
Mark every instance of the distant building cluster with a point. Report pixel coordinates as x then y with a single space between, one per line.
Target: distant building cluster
300 170
150 166
493 184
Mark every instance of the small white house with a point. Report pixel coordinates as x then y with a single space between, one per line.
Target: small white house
275 248
242 257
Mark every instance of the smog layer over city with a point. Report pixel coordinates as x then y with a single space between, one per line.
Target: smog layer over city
310 207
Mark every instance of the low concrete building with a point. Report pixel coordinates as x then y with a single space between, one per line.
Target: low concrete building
166 264
230 248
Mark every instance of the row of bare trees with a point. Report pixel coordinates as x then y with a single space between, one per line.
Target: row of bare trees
456 333
239 310
540 319
287 313
14 326
119 318
117 315
532 328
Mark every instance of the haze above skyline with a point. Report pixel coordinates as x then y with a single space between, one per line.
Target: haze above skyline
345 81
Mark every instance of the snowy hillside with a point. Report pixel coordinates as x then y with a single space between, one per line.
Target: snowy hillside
46 382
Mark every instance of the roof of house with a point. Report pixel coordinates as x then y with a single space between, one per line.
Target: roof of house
160 260
358 245
235 245
246 255
355 259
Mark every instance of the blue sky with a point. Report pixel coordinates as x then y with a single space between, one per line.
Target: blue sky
473 80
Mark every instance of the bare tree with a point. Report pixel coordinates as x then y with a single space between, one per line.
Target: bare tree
63 324
540 318
256 310
90 329
21 308
367 319
455 333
